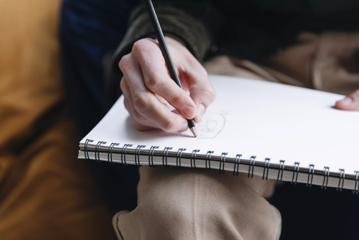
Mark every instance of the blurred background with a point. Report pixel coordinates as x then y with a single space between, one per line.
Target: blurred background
54 68
51 93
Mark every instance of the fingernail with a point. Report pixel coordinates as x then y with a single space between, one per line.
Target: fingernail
189 110
346 101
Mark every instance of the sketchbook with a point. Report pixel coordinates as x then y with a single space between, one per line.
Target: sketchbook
254 127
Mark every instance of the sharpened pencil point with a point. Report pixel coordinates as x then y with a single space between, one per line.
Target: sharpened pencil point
193 130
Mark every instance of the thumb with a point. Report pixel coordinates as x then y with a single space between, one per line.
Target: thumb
197 83
203 95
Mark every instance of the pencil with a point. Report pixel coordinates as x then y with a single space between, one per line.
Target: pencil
166 55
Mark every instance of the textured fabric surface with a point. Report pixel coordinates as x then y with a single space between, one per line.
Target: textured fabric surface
199 204
45 192
246 29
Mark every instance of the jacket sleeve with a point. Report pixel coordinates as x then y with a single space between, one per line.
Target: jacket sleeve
194 23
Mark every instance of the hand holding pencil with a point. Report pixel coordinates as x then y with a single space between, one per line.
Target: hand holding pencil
152 97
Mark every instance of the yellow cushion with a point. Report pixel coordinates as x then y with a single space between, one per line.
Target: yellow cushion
29 83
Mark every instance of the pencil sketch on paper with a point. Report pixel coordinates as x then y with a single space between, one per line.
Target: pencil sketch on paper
211 125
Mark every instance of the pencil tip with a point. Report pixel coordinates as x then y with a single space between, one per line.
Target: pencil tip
193 130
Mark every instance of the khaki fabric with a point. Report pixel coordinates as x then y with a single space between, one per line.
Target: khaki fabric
45 192
199 204
328 61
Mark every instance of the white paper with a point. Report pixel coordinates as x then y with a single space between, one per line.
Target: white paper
257 118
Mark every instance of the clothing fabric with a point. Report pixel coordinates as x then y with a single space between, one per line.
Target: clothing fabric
199 204
242 29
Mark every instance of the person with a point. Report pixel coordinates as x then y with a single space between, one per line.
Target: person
305 43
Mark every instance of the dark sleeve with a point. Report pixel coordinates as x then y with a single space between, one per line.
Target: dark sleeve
194 23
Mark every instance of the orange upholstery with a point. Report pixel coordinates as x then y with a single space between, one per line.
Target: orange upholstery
45 192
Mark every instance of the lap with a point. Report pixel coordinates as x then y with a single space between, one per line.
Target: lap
199 204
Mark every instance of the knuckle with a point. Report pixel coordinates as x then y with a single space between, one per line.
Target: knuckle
167 125
153 82
123 85
125 63
142 45
176 99
139 101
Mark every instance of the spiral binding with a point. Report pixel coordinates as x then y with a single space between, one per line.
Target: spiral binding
165 156
179 157
310 175
97 148
295 173
237 164
325 178
266 169
280 171
151 155
110 151
138 154
341 180
356 185
252 162
127 149
222 162
208 159
86 148
193 158
124 153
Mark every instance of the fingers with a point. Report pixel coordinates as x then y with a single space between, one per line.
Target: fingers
350 102
157 80
143 106
151 95
130 108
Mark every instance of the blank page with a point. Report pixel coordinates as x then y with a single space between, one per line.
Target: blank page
257 118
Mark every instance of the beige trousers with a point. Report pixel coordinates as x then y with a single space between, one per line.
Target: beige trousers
202 204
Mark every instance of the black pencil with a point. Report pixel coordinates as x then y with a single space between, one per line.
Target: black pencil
166 55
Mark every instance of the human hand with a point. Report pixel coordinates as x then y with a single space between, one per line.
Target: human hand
350 102
152 98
